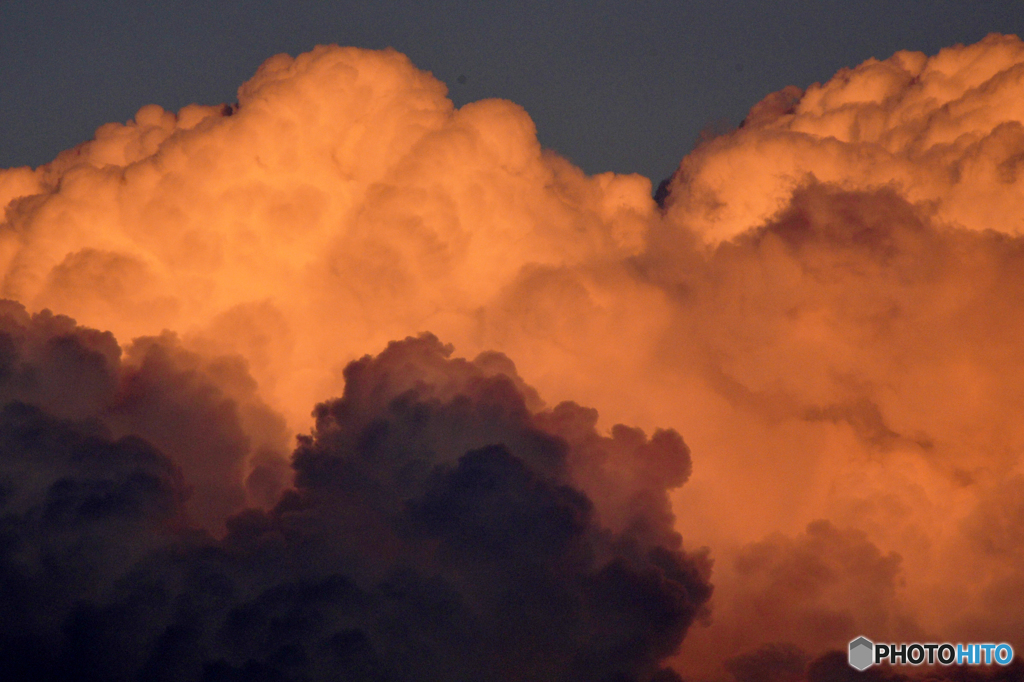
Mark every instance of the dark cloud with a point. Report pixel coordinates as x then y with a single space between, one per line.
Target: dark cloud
205 415
440 527
202 413
77 510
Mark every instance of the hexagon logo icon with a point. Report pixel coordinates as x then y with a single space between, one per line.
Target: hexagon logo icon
862 653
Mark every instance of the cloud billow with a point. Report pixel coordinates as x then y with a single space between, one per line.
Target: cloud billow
825 301
436 531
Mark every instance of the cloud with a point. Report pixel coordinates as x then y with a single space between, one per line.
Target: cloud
945 131
815 589
438 529
78 509
343 180
202 413
823 303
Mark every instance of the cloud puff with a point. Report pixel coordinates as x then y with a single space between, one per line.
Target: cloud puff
440 528
342 180
202 413
947 132
815 589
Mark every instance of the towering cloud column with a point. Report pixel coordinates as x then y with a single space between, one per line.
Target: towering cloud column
825 305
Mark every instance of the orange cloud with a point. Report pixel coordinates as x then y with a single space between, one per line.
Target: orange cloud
825 307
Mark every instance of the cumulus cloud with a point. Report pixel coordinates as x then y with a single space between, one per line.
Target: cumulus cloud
438 529
945 131
815 588
823 302
343 181
865 360
203 413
